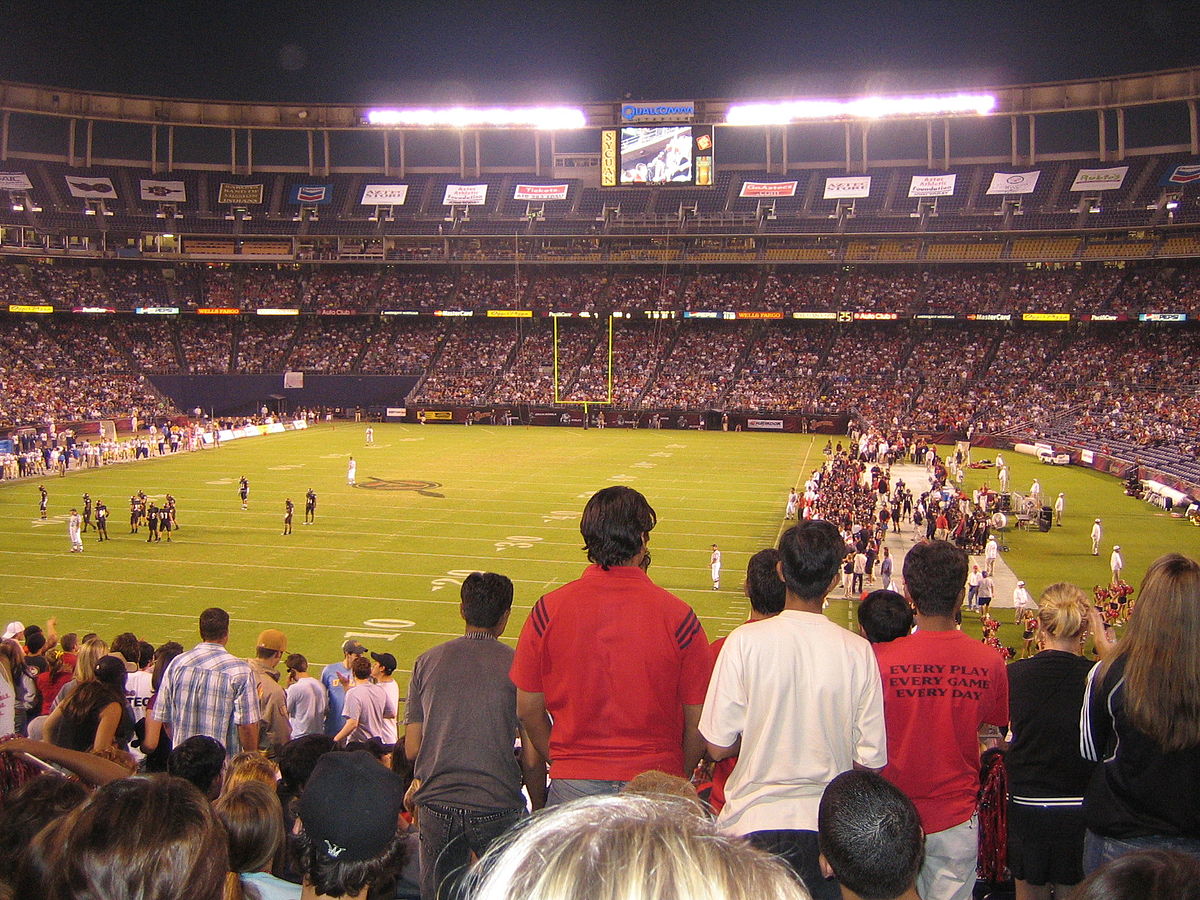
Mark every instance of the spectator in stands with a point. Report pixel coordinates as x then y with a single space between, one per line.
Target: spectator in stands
200 760
1141 723
97 716
1144 875
274 728
573 656
884 616
367 706
253 820
336 678
305 697
794 733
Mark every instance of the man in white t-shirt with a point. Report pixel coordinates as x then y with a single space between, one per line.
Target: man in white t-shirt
1022 600
803 700
1116 563
367 706
714 564
307 699
1060 504
991 552
351 469
1097 534
381 671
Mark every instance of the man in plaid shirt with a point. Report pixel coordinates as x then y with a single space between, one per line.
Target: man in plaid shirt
210 691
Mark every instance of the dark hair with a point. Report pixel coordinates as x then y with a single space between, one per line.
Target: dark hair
69 642
145 654
486 597
614 526
214 624
200 760
297 662
126 644
152 838
28 809
253 819
870 833
764 587
1144 875
328 876
361 667
111 671
34 642
162 658
297 759
884 616
936 574
811 554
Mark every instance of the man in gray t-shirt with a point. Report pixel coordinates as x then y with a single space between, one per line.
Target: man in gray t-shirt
366 707
460 729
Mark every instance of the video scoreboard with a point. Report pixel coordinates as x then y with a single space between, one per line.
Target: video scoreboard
657 154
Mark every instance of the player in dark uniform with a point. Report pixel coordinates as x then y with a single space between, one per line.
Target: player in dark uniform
288 508
152 524
243 490
43 500
165 524
87 511
135 514
170 507
102 521
310 506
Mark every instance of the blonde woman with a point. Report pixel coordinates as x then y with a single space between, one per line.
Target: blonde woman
1046 775
85 669
1141 721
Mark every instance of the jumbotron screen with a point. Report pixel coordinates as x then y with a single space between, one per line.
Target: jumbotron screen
662 154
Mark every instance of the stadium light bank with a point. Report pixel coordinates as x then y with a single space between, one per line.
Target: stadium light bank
543 118
785 111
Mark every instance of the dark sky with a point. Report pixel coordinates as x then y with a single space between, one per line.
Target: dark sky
504 51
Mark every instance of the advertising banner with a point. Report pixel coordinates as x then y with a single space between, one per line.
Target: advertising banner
15 181
764 424
932 186
239 194
1178 175
1014 182
541 192
768 189
311 194
163 191
465 195
91 188
678 111
1100 179
384 195
847 187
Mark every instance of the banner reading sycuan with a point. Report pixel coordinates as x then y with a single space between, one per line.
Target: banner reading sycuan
1013 182
240 194
163 191
384 195
541 192
1100 179
932 186
465 195
90 187
768 189
847 187
15 181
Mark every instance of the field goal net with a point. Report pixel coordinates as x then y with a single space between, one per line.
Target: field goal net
585 402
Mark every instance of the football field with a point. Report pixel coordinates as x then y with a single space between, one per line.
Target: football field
384 558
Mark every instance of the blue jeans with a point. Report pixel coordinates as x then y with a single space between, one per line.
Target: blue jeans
449 837
1098 850
798 848
564 790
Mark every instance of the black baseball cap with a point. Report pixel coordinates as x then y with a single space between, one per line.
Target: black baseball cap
386 660
351 806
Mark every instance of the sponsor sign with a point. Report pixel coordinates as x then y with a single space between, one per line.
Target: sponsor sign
93 309
395 412
510 313
1100 179
847 187
163 191
760 315
26 308
276 312
1013 182
764 424
1162 317
293 380
541 192
553 314
768 189
1045 317
1105 317
157 310
217 311
708 314
465 195
91 188
828 316
1178 175
989 317
1087 457
337 312
609 157
934 317
439 415
876 316
454 313
239 194
311 194
384 195
15 181
678 111
399 312
932 186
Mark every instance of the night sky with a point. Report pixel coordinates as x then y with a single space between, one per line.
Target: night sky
503 51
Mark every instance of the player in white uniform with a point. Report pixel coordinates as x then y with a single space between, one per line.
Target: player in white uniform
1097 533
75 531
1060 504
1116 563
350 471
990 554
370 436
793 504
1022 600
714 563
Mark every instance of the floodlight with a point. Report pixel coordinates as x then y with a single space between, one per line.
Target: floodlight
17 207
1172 204
544 118
784 111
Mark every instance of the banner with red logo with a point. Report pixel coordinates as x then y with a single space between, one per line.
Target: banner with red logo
541 192
768 189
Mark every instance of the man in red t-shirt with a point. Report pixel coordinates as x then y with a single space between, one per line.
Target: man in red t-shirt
939 688
619 664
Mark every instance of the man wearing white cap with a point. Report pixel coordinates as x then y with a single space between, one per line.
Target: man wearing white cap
1116 563
1097 533
1022 600
1059 505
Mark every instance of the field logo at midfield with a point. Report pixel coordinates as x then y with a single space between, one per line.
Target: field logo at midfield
424 488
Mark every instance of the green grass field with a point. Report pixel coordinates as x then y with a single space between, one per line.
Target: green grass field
383 561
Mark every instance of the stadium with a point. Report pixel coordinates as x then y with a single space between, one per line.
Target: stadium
454 323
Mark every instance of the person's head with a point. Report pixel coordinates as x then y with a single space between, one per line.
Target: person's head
385 665
111 672
487 599
1161 646
1143 875
616 525
270 646
654 783
35 643
811 555
162 658
870 835
764 588
200 760
253 820
85 661
29 808
361 668
351 649
628 848
214 625
884 616
69 642
147 838
250 765
298 757
349 813
1062 612
935 573
126 643
296 663
145 654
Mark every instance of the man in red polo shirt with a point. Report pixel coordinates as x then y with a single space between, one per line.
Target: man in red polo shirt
620 664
